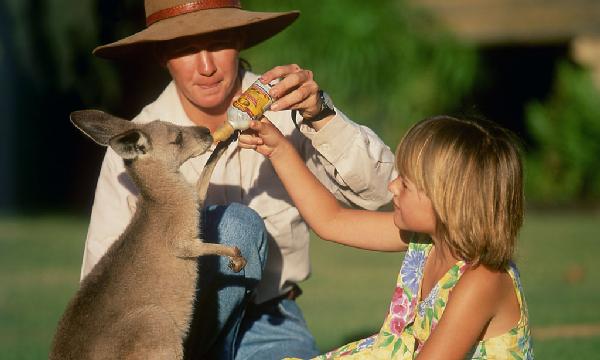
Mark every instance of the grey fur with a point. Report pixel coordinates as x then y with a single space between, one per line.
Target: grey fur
137 302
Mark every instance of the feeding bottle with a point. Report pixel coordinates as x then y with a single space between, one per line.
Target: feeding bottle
251 105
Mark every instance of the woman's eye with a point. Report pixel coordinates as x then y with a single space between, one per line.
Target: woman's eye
183 51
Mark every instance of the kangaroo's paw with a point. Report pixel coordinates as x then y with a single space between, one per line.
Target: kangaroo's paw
195 247
237 262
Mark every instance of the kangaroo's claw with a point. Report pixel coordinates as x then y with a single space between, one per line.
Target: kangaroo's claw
237 263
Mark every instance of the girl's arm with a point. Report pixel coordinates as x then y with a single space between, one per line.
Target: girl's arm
358 228
478 298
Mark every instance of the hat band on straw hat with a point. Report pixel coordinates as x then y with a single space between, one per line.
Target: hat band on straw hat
173 19
191 7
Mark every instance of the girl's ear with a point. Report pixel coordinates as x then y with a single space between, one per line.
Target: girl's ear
130 144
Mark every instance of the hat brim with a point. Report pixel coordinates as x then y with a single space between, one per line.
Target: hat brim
257 27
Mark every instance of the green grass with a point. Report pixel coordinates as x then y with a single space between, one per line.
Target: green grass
346 298
39 271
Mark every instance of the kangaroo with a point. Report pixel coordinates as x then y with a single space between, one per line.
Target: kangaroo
137 302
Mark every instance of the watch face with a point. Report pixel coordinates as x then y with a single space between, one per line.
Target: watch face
326 102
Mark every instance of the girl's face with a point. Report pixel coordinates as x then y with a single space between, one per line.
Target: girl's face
205 70
413 210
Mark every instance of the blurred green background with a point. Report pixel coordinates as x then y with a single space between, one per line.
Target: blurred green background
386 66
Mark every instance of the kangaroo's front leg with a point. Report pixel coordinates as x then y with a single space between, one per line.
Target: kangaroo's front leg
195 248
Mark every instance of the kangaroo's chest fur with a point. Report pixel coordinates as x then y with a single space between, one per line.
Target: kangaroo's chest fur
140 278
137 302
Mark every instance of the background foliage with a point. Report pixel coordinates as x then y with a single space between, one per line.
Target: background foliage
386 66
564 163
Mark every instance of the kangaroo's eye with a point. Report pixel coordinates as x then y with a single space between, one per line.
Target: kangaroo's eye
179 139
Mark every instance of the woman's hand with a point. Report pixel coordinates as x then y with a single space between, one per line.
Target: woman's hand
297 90
263 137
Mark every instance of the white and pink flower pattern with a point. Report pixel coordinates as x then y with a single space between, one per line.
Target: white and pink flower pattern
401 311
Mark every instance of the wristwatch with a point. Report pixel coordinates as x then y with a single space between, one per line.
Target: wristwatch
326 107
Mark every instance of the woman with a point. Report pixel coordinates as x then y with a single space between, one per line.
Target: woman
199 43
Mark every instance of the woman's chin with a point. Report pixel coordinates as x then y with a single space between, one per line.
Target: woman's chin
211 102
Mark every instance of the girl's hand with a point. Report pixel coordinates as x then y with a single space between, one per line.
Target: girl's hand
263 137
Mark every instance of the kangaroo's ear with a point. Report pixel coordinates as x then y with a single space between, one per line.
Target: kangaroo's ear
130 144
99 126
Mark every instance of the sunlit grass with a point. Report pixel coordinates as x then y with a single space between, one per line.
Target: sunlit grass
346 297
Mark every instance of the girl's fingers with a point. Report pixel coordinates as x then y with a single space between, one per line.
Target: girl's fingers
262 127
256 125
249 140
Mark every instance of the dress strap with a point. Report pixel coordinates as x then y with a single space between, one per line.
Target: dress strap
516 278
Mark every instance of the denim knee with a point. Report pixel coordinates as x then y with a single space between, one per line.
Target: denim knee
241 226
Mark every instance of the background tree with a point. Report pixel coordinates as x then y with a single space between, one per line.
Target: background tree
386 65
563 166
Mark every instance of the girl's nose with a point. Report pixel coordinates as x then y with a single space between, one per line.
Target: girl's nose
392 186
205 63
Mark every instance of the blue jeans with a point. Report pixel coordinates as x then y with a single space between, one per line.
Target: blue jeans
225 325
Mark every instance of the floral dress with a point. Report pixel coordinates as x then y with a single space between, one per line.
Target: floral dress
409 322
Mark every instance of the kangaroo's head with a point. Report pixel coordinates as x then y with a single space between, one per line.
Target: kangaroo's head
157 140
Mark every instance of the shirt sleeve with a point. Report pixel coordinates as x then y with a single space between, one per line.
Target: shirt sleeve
351 161
113 208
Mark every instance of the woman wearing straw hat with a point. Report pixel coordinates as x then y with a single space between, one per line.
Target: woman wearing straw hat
253 316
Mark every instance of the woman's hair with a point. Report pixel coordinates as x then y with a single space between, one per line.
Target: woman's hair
471 171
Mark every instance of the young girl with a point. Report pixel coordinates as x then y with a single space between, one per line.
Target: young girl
458 206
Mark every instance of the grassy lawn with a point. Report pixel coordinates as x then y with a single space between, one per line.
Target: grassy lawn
345 299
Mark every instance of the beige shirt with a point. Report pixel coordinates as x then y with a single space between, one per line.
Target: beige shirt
350 160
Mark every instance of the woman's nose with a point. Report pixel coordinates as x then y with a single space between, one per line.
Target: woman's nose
205 63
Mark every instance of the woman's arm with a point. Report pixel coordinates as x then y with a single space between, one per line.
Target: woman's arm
358 228
349 159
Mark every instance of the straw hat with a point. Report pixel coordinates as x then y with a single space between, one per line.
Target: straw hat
172 19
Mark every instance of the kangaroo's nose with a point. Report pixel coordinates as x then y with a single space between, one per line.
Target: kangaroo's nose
202 133
201 130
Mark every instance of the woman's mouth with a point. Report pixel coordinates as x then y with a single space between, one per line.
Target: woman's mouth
209 86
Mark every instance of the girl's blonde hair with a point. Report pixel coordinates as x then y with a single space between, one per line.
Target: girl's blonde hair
471 171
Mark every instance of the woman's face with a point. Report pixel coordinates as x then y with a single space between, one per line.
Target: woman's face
413 210
205 70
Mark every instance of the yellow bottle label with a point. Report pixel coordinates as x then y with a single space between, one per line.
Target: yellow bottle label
255 100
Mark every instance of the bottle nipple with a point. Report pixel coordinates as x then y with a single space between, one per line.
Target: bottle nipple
223 132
